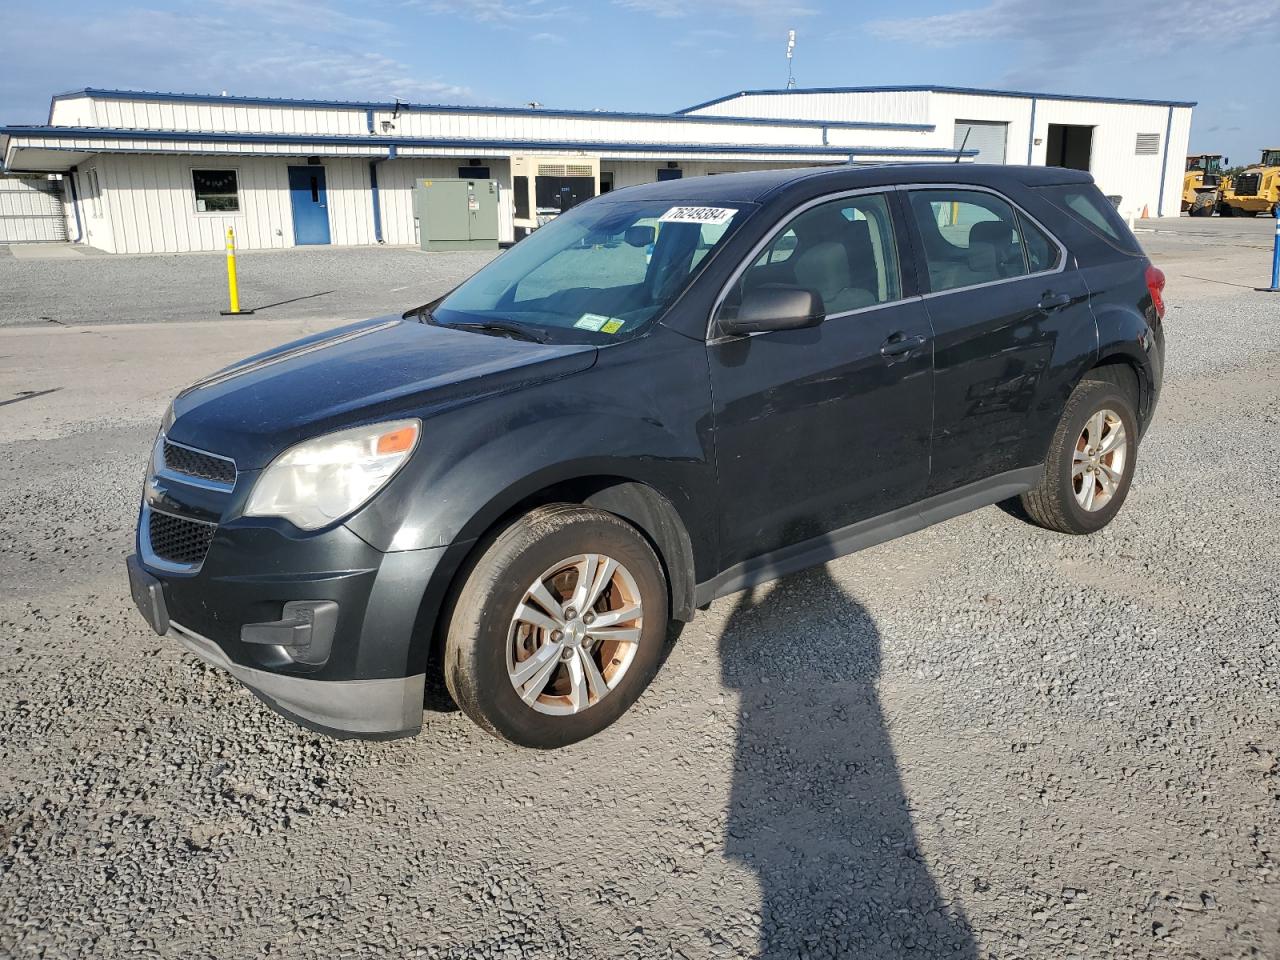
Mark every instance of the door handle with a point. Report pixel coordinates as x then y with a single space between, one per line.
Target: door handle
899 345
1050 301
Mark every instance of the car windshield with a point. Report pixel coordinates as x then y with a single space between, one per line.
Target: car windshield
600 271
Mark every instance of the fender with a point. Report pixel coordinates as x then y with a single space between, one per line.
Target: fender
479 462
1126 336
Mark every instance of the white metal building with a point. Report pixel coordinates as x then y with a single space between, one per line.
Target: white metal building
161 172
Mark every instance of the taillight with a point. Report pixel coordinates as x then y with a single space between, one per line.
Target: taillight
1155 286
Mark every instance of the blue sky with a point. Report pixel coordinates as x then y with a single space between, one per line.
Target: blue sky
653 54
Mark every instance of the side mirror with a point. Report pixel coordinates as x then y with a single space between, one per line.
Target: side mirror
639 236
775 308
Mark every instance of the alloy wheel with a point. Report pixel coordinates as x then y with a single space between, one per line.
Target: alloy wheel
1099 460
574 634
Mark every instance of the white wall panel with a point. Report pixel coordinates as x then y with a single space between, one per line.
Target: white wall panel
882 107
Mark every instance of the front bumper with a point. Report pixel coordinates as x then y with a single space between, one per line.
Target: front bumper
324 628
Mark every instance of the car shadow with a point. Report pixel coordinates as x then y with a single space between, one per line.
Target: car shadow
817 808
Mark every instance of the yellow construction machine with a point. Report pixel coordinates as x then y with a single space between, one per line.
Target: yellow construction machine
1200 184
1256 190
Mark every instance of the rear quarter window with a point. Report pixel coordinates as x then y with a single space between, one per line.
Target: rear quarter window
1085 203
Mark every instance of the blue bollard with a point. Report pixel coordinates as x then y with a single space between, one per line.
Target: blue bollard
1275 260
1275 256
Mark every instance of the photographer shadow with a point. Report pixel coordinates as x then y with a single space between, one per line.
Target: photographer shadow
817 809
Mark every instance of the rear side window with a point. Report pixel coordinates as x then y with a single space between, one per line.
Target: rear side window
1085 203
972 238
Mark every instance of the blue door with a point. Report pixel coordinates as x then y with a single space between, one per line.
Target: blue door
310 205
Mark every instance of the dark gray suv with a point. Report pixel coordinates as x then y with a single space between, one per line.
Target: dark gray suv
668 394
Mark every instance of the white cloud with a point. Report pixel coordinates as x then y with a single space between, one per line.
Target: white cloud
1080 30
136 48
761 11
502 12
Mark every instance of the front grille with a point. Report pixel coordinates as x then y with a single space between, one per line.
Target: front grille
177 539
1246 184
194 463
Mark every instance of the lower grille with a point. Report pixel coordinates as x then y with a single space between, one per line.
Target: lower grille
1246 184
179 540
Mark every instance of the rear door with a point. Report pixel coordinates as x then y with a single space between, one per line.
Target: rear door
817 429
1008 308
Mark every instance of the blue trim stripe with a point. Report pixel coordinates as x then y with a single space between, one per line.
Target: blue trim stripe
446 108
377 200
975 91
1164 163
75 204
1031 132
391 143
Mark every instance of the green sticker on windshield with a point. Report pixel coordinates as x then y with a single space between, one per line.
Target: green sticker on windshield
593 321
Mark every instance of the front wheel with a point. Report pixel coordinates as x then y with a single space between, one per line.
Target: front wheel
558 628
1091 459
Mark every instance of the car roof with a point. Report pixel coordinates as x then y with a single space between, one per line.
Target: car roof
757 185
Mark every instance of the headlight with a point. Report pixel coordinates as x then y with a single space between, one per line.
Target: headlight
319 481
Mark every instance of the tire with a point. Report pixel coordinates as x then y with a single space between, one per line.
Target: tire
1202 206
1055 503
486 641
1226 210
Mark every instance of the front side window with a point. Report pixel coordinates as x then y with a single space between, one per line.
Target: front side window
217 191
596 272
971 238
842 250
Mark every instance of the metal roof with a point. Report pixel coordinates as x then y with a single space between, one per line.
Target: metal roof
159 97
971 91
390 143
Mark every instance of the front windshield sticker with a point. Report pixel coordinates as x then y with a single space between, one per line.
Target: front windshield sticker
592 321
712 215
613 326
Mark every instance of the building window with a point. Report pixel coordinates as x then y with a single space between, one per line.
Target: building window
217 191
1148 144
473 173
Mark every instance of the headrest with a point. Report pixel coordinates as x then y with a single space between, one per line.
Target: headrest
995 232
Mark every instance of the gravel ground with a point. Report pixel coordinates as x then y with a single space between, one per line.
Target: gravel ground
300 283
983 740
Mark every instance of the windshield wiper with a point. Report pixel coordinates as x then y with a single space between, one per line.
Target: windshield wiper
498 328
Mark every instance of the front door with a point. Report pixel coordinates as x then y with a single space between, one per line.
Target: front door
310 205
820 428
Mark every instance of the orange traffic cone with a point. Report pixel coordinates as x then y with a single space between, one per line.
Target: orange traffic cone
1145 214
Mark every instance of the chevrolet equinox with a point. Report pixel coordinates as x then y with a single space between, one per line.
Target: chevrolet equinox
666 395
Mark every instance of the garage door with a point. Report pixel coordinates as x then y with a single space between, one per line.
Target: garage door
31 210
987 138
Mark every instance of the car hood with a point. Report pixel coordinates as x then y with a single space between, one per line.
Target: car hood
376 370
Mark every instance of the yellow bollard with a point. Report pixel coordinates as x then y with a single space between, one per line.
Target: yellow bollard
233 287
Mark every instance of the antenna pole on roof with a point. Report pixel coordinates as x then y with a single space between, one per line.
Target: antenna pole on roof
791 47
962 144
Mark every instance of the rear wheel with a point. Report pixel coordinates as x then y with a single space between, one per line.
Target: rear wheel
1203 205
1091 459
558 628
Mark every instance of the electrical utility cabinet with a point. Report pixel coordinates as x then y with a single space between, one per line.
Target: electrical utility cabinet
456 214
